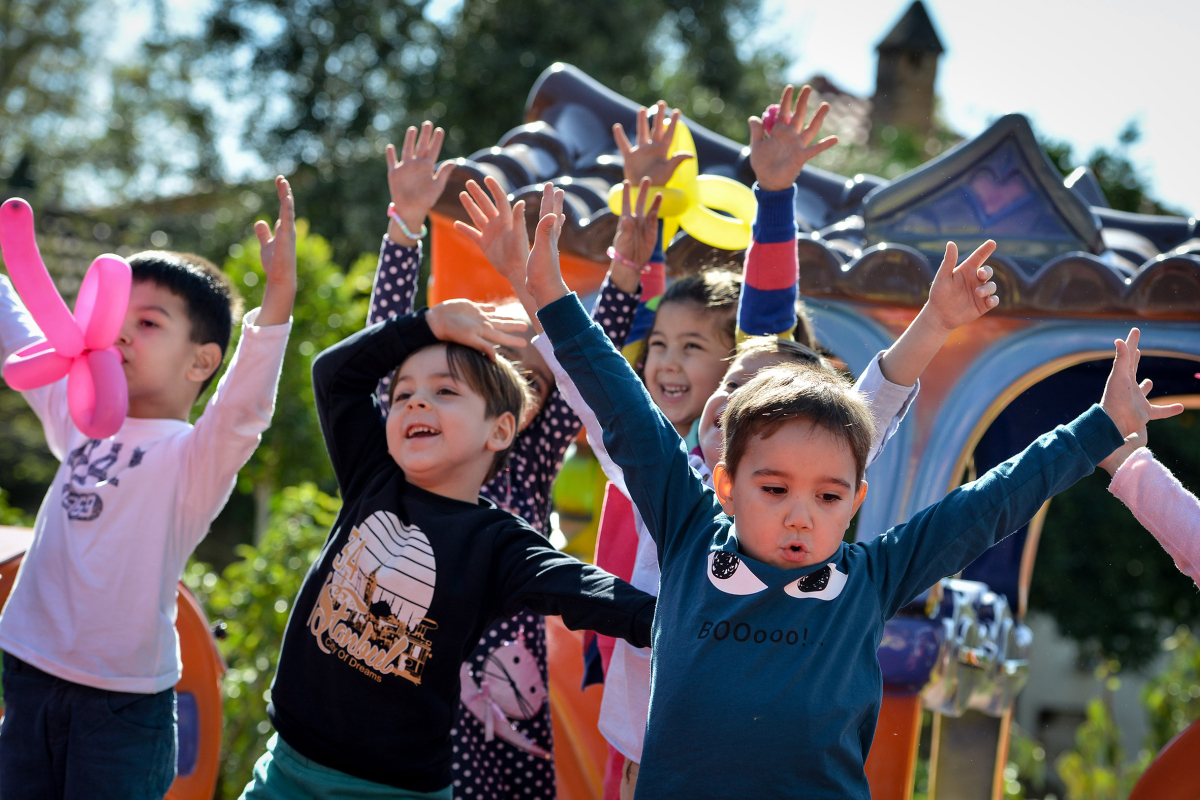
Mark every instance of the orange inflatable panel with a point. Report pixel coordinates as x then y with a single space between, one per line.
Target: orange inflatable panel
580 752
198 692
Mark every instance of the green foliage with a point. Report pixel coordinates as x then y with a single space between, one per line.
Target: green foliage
330 305
251 597
1125 187
1095 769
1106 581
1173 697
12 516
1026 767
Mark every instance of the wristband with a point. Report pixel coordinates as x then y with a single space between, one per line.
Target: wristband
404 228
620 259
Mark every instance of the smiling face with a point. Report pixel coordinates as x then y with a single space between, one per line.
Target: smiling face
438 430
685 360
794 495
712 438
163 366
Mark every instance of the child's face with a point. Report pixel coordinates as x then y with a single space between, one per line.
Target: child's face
685 359
438 430
794 495
712 438
163 366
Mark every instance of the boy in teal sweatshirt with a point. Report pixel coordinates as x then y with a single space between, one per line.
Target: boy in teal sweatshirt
765 680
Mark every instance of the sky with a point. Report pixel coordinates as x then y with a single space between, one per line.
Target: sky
1080 71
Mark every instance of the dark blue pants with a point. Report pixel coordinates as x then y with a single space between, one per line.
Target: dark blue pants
63 740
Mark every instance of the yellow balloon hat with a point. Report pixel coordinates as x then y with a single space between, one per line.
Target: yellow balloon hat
691 201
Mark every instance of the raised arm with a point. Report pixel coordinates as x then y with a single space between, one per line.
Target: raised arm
1161 503
944 538
345 376
640 440
778 153
415 182
532 574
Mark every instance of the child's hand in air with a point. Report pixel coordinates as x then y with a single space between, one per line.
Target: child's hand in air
961 293
637 233
1125 399
476 325
416 181
543 277
278 255
499 229
648 158
777 157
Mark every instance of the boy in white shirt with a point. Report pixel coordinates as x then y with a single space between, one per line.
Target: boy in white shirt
88 634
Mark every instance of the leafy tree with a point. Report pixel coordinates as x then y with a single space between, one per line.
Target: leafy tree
1173 697
1124 185
251 599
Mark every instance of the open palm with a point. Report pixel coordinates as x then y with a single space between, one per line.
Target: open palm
777 157
499 228
415 181
961 293
649 157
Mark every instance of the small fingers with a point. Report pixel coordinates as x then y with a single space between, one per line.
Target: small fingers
785 105
811 129
660 119
499 196
643 191
757 131
435 143
643 126
481 198
623 144
467 231
1146 386
986 290
950 260
652 212
797 123
626 191
390 151
422 148
263 231
821 146
1163 412
410 141
473 211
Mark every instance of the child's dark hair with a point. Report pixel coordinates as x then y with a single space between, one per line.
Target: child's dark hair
714 290
212 303
794 391
498 382
787 349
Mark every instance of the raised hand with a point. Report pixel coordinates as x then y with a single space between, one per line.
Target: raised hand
637 230
777 157
1124 398
648 157
543 277
415 181
499 228
476 325
962 293
278 255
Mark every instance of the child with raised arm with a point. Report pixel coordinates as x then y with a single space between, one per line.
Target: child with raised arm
490 767
1156 497
960 294
418 563
766 679
91 655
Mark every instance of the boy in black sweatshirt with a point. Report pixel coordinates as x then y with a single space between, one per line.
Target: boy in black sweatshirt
417 565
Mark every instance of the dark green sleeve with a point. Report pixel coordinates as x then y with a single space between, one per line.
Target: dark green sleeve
673 501
532 574
944 538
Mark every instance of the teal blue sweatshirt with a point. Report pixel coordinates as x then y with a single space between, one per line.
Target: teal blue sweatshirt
765 681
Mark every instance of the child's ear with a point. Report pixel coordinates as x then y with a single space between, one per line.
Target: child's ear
504 430
859 496
723 484
206 360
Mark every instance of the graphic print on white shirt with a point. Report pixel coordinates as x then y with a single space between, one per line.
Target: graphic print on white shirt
370 613
90 468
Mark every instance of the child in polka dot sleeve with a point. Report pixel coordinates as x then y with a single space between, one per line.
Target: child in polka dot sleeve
499 766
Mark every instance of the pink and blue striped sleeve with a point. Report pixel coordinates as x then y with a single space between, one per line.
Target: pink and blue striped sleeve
770 284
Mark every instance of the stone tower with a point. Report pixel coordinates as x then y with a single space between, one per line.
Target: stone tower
904 82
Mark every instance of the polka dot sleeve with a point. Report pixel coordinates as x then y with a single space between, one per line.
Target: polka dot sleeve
393 292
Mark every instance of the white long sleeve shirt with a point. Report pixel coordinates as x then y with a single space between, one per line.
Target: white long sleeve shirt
94 600
625 706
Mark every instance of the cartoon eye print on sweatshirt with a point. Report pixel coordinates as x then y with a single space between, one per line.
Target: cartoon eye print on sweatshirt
729 573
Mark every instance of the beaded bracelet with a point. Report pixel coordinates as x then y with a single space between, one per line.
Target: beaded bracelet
620 259
404 228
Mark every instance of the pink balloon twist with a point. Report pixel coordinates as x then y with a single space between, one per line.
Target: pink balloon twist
78 346
770 117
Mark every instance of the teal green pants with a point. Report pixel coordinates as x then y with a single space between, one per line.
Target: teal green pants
284 774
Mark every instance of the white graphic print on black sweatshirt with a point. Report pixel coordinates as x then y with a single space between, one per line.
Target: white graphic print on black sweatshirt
371 611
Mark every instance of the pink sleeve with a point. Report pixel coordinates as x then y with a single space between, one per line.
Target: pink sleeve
1160 502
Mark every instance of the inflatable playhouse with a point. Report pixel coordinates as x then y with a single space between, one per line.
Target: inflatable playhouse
1073 275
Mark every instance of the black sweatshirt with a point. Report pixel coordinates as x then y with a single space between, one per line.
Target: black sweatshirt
368 676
